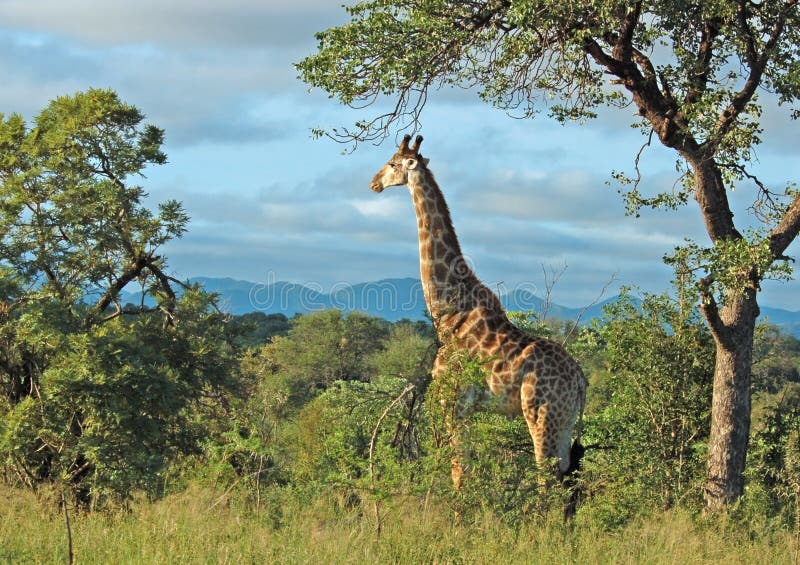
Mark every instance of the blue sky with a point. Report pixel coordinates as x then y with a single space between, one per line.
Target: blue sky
269 202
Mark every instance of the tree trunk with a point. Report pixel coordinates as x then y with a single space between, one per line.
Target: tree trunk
730 406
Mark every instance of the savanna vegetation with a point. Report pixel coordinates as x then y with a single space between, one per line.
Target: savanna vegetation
332 446
168 431
692 76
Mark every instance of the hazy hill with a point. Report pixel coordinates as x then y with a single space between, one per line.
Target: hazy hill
392 299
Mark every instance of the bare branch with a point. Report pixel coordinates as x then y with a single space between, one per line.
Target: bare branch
638 158
766 199
374 437
550 281
585 309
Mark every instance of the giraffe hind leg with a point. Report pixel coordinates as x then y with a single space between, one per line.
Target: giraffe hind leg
551 440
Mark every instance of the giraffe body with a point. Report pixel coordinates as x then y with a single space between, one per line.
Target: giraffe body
529 375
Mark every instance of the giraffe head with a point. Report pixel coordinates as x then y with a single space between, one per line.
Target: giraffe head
395 172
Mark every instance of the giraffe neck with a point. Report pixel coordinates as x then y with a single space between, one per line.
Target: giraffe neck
452 291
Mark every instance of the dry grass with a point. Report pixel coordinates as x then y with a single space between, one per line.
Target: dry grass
198 527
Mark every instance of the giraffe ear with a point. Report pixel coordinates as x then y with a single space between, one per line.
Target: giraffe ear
425 161
411 164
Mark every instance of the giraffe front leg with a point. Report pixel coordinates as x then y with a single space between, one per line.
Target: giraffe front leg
457 402
456 462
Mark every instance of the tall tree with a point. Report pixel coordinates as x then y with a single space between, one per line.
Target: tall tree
95 393
74 228
693 69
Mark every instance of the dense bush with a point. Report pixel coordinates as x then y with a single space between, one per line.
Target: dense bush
117 404
774 464
650 429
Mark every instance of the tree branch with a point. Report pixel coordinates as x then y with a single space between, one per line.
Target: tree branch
786 231
699 81
131 272
373 439
623 49
710 310
135 312
659 109
756 62
169 309
765 203
585 309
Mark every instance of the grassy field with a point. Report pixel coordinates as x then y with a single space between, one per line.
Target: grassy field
201 526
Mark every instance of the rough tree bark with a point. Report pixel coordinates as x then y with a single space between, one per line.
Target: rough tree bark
733 328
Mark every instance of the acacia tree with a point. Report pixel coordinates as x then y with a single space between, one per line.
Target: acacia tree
692 69
95 393
74 227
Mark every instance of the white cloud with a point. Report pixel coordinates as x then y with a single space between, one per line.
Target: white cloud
376 207
219 78
178 22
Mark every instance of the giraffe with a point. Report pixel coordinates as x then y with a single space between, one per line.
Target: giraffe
529 375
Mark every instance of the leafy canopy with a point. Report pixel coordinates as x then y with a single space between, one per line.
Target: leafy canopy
695 72
96 395
74 229
691 58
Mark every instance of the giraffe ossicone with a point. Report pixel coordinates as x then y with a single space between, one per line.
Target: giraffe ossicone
530 375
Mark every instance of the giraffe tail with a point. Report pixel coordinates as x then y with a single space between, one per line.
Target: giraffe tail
582 407
577 450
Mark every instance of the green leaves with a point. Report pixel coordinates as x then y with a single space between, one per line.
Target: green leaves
654 414
324 347
96 394
521 55
731 265
115 405
775 460
93 132
72 226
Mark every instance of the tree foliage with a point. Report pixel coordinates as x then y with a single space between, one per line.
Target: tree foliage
257 328
775 471
777 360
321 348
74 228
119 403
520 54
337 404
96 395
654 421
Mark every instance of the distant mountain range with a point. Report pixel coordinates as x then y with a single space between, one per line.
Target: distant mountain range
393 300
